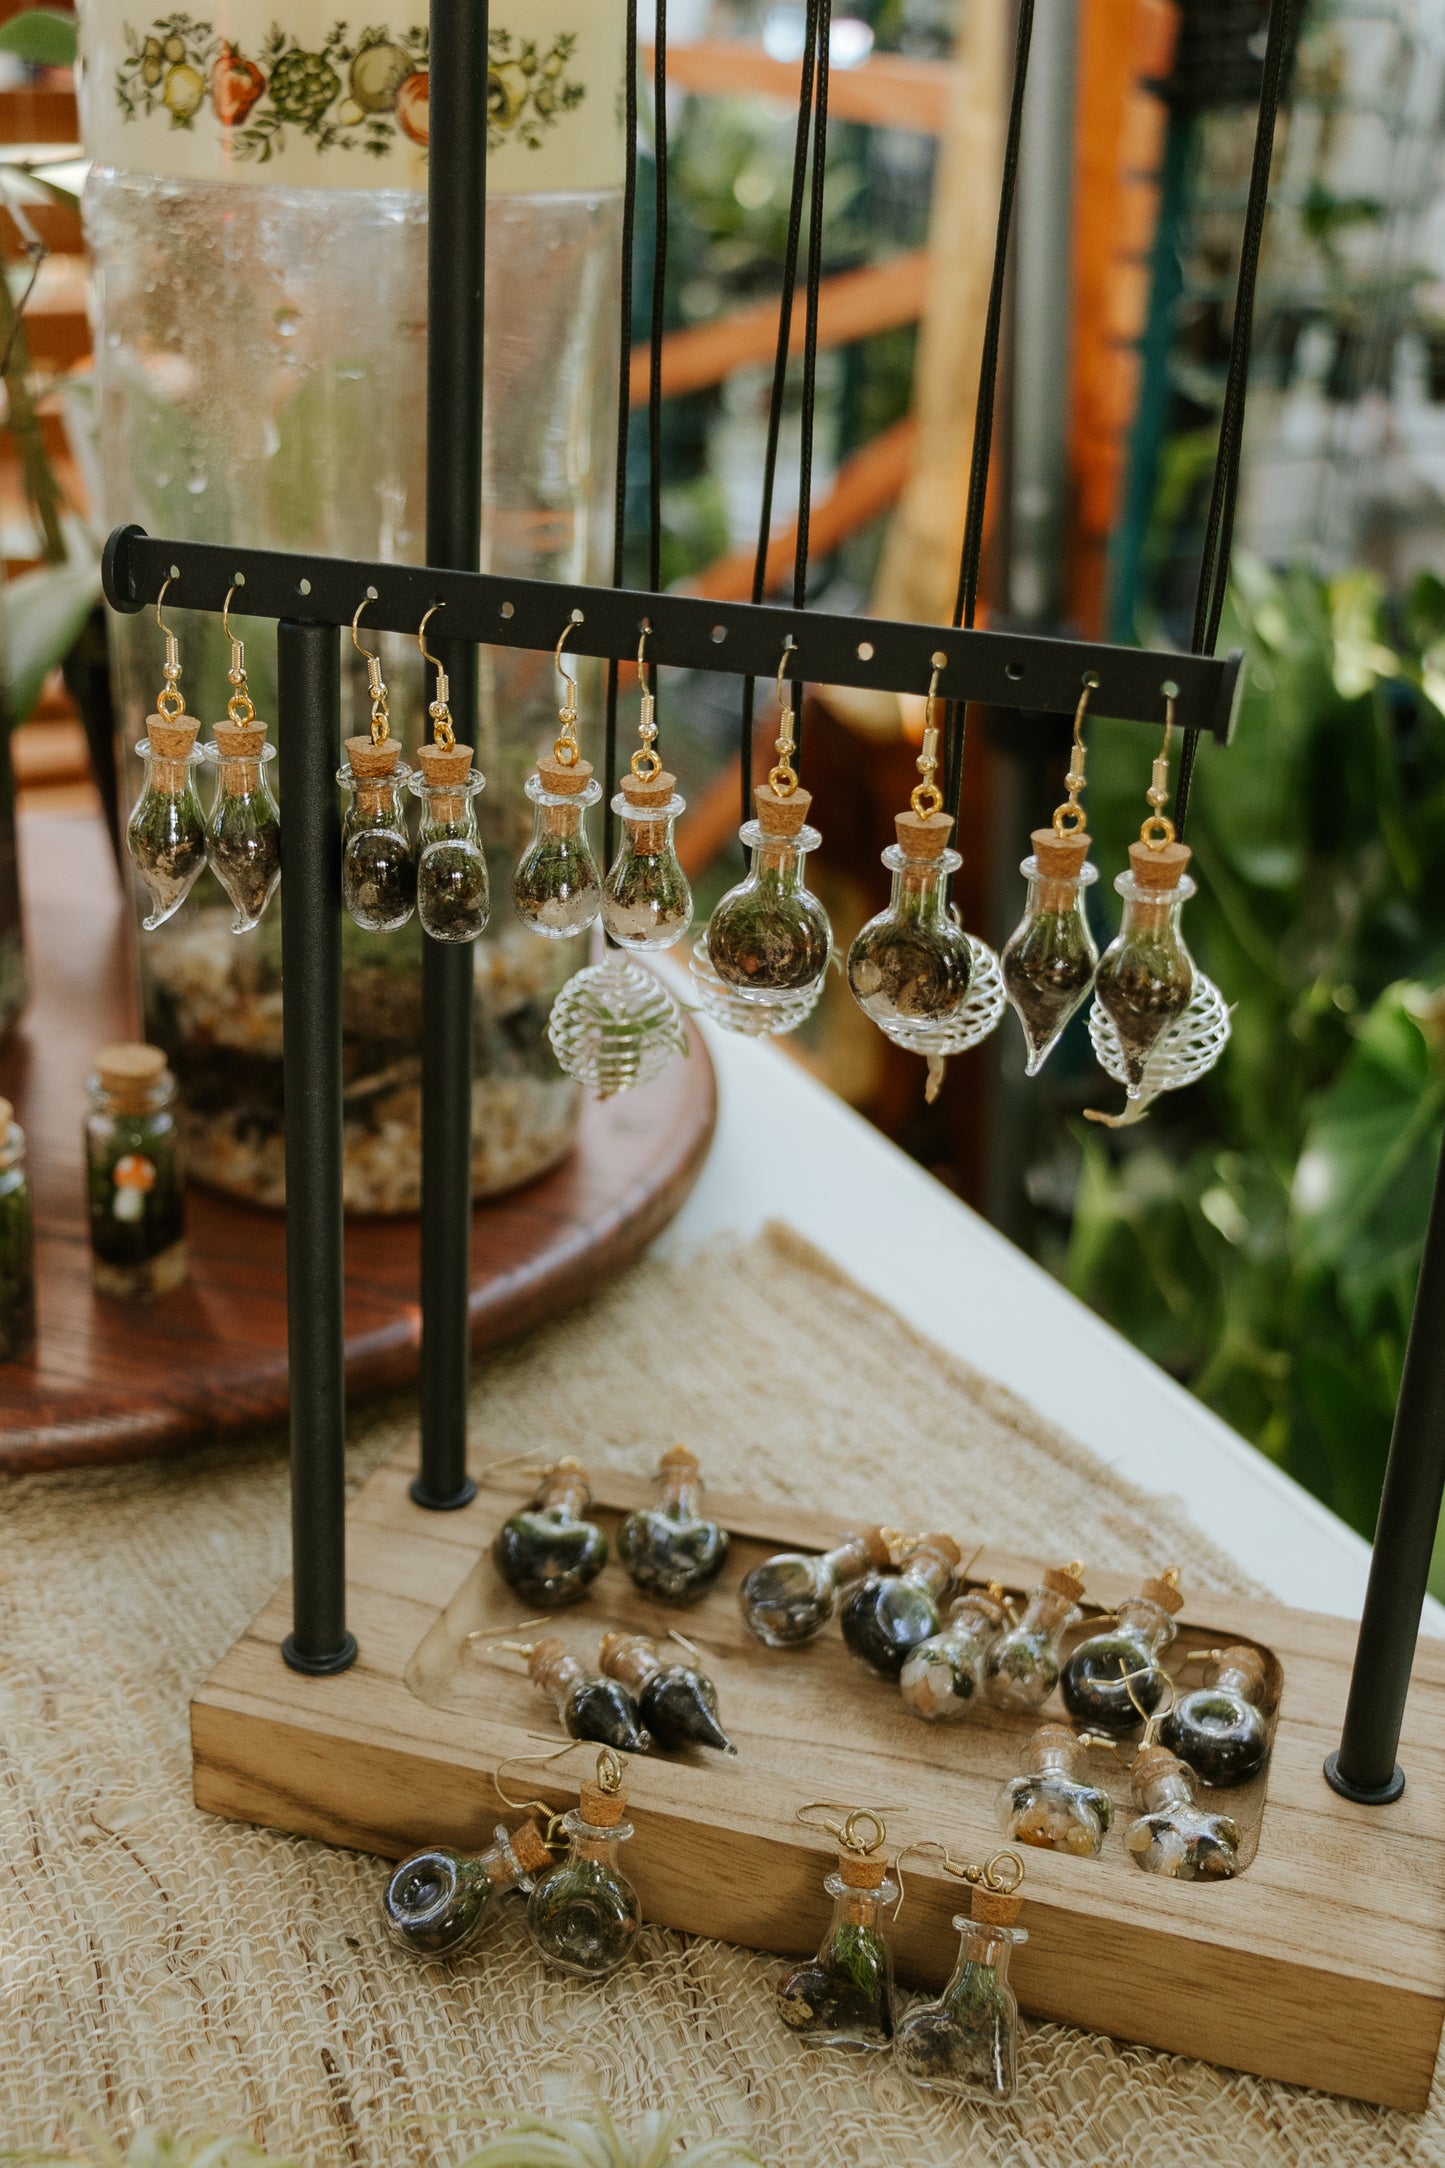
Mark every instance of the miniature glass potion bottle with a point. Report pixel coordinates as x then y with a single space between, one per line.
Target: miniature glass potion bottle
646 900
886 1616
671 1549
966 2043
1173 1834
557 888
843 1997
677 1702
378 863
17 1243
436 1902
1023 1665
1219 1728
1146 977
584 1916
791 1596
1113 1681
1051 1805
243 834
166 833
1049 960
943 1676
453 896
549 1552
590 1706
133 1174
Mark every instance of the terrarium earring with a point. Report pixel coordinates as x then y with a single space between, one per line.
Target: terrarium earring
843 1997
436 1903
590 1706
943 1676
557 889
1219 1728
1114 1681
790 1597
166 833
1174 1835
887 1616
548 1551
1023 1664
584 1916
1052 1805
453 895
670 1549
243 835
760 966
378 864
646 901
678 1702
966 2041
1049 960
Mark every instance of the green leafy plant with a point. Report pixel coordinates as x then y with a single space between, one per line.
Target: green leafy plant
153 2147
540 2141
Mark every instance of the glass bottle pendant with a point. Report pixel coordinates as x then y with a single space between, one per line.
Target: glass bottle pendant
670 1549
166 833
1219 1728
436 1903
584 1916
549 1552
768 942
1051 1805
17 1243
966 2042
1049 960
590 1706
1113 1681
378 864
843 1997
943 1677
557 888
243 835
791 1597
886 1617
1023 1664
646 900
911 967
615 1027
453 895
1173 1834
1146 976
678 1704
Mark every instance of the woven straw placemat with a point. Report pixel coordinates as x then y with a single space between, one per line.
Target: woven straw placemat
160 1966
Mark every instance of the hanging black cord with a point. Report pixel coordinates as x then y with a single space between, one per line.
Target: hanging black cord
1219 527
810 333
659 298
780 369
624 407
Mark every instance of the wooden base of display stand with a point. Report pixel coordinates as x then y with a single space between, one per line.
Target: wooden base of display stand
1323 1964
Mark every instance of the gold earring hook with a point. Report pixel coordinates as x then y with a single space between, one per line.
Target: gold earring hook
848 1832
239 708
375 683
566 751
490 1633
784 777
439 710
1158 829
646 764
171 701
1070 818
536 1806
990 1875
927 799
609 1772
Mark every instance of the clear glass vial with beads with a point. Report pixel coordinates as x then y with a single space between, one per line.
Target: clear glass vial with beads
1052 1805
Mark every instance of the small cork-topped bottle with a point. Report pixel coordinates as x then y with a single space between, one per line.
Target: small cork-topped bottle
646 900
378 863
887 1615
911 966
584 1916
943 1677
1219 1728
1173 1834
453 896
671 1549
1145 978
1051 1805
1113 1681
791 1597
549 1552
590 1706
436 1903
166 833
678 1703
133 1174
557 887
843 1997
1023 1664
1049 960
768 942
17 1243
243 835
966 2042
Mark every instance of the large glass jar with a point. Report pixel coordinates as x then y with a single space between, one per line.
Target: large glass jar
257 214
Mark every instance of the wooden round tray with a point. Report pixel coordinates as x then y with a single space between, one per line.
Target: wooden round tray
113 1381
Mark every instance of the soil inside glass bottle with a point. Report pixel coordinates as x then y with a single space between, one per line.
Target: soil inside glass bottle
17 1268
167 839
964 2039
766 937
844 1991
452 890
1047 971
155 1222
584 1917
246 855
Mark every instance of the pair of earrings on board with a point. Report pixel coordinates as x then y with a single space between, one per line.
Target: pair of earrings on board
168 836
638 1696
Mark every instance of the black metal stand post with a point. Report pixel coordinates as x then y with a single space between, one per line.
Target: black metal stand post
309 730
457 229
1364 1767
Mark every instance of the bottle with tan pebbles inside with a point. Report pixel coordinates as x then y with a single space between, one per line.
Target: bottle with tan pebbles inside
943 1677
134 1175
1053 1805
1173 1835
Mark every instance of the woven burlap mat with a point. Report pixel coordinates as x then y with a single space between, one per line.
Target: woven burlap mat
156 1965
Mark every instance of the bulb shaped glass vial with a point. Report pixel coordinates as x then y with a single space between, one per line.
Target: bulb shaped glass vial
437 1902
843 1997
677 1702
557 888
166 833
584 1916
943 1676
1049 961
646 900
243 834
1219 1728
549 1552
453 896
911 967
671 1549
1051 1805
1173 1834
378 863
769 939
590 1706
886 1617
1114 1680
966 2043
1146 976
1023 1664
791 1597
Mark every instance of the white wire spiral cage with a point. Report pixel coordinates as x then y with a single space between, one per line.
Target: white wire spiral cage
1184 1053
979 1015
614 1026
750 1017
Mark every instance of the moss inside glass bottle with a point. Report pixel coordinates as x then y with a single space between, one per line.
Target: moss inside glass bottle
912 964
584 1917
17 1243
378 862
671 1549
134 1175
557 887
453 894
1145 979
966 2042
1049 961
166 833
678 1703
549 1552
243 835
770 935
646 899
843 1997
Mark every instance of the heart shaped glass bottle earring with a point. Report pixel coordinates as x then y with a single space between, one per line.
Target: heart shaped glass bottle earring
557 889
646 900
453 894
166 832
378 863
548 1551
670 1548
789 1598
966 2041
843 1997
584 1916
1049 960
243 835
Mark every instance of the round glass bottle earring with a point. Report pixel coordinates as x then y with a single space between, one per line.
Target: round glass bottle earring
646 900
966 2041
1114 1681
943 1676
678 1703
1049 960
886 1617
166 832
453 895
843 1997
548 1551
436 1903
1052 1805
378 864
1174 1835
760 965
557 889
670 1548
789 1598
243 835
1023 1664
1219 1728
584 1916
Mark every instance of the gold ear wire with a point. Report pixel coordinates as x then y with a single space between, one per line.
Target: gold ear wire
170 701
848 1832
927 798
1158 829
566 751
528 1461
375 684
784 777
1070 818
646 763
609 1772
239 708
535 1806
440 710
987 1876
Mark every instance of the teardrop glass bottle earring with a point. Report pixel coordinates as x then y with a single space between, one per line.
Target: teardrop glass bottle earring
378 864
646 900
243 835
557 889
166 833
1049 961
453 894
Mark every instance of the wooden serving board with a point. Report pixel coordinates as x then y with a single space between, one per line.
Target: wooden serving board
1323 1964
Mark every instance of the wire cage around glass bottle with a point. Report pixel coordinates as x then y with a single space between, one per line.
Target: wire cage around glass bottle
615 1027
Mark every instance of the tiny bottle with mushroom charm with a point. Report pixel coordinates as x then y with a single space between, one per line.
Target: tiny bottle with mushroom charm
677 1702
557 888
1052 1805
436 1903
790 1597
453 894
646 900
671 1549
844 1997
548 1551
134 1175
243 834
1219 1728
589 1705
1023 1665
943 1676
584 1916
888 1615
1049 961
1172 1834
166 832
1113 1681
965 2042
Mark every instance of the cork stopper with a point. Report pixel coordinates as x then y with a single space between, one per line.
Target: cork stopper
563 782
7 1116
632 1658
129 1074
1246 1663
566 1484
240 741
530 1848
1158 869
1164 1593
879 1546
648 791
781 816
370 761
977 1602
1151 1763
443 764
1060 1582
600 1809
862 1870
1053 1736
996 1907
943 1546
923 838
172 739
679 1460
550 1664
1060 858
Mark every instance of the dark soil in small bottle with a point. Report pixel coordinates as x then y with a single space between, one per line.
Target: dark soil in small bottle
911 971
604 1710
1221 1735
584 1917
679 1707
434 1903
963 2040
1093 1686
764 938
549 1557
166 836
884 1620
17 1273
847 1992
786 1600
245 854
676 1559
158 1221
378 879
1047 968
1143 994
452 894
